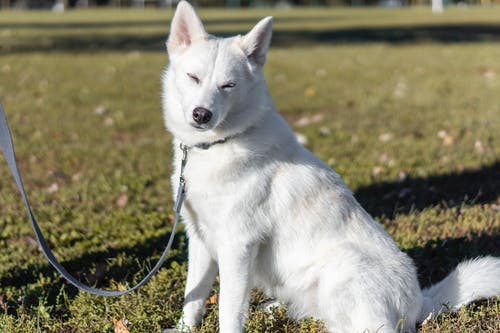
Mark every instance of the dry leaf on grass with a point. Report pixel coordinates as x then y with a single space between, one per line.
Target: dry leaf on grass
479 147
324 131
100 110
122 200
448 140
377 170
3 304
386 137
212 300
310 92
53 188
308 120
120 326
109 122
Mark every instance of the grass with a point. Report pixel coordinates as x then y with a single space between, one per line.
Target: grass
402 103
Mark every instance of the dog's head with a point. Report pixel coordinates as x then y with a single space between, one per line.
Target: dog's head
212 85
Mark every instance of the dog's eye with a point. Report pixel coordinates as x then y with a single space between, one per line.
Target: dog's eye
228 85
194 78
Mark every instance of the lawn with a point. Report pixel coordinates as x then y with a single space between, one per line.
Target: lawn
405 105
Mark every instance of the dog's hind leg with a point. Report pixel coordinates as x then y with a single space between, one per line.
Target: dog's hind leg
361 293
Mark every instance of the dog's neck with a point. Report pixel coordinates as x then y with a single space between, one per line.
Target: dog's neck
208 144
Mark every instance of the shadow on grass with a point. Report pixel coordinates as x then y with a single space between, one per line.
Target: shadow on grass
439 257
414 194
137 261
93 42
250 21
453 33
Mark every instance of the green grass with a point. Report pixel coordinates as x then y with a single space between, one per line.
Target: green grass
409 115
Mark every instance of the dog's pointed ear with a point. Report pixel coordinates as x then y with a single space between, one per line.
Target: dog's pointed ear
255 43
185 28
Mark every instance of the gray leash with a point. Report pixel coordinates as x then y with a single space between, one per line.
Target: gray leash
8 150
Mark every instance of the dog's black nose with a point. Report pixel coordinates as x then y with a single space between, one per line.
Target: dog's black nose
202 115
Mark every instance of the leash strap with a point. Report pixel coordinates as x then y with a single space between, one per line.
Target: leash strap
8 150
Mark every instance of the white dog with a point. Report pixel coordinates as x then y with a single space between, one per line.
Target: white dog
263 211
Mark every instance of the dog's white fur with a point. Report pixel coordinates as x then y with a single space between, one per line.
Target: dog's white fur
263 211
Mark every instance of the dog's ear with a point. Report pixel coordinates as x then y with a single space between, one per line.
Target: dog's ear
186 27
255 43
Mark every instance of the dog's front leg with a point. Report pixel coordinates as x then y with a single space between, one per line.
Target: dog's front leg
235 264
202 270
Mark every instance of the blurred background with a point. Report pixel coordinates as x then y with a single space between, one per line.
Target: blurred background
61 4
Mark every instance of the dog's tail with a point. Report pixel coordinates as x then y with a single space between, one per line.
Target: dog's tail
471 280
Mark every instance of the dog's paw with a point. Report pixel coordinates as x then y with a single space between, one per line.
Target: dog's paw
270 305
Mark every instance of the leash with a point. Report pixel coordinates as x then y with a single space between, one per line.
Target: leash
8 151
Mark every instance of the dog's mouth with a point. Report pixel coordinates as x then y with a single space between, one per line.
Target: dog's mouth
199 127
